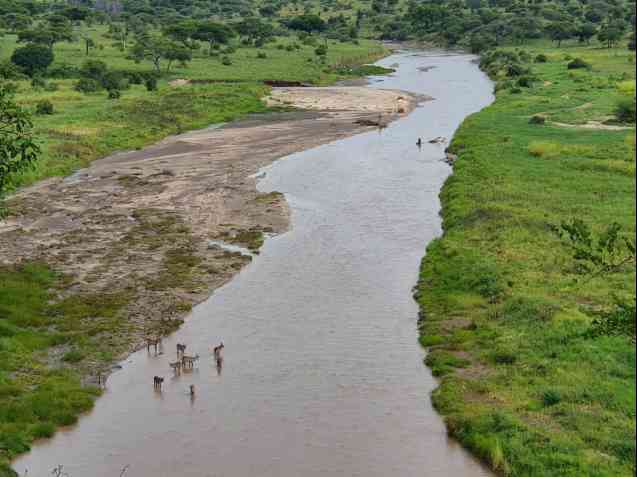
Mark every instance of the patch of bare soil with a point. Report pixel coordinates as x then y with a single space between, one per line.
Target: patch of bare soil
140 222
598 125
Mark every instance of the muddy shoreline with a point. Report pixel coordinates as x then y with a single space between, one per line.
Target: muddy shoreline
146 225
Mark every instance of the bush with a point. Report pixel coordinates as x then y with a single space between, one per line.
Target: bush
578 63
32 58
114 94
551 397
10 71
625 110
151 84
226 61
537 119
44 107
541 58
261 55
525 81
37 82
50 87
74 356
63 71
87 85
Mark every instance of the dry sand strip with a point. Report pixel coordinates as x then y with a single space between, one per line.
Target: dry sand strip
123 222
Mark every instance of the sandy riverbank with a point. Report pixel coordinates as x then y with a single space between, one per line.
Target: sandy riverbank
141 221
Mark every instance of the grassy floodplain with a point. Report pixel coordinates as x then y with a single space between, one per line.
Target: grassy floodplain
523 385
38 312
88 126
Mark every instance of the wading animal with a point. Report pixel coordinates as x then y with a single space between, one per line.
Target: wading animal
189 361
217 350
157 381
419 142
176 366
155 342
181 348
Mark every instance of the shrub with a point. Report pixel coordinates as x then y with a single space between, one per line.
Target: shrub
551 397
63 71
10 71
537 119
577 63
151 84
87 85
226 61
625 110
73 356
32 58
37 82
261 55
541 58
114 94
525 81
51 86
44 107
515 90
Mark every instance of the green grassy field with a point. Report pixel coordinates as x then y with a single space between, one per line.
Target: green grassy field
507 321
87 126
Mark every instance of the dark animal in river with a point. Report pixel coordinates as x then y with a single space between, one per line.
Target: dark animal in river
192 389
217 350
189 361
219 365
419 142
157 381
155 342
181 349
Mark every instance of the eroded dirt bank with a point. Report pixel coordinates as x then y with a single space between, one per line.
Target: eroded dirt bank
139 224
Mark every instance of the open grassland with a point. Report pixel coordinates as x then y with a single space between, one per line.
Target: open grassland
523 384
84 126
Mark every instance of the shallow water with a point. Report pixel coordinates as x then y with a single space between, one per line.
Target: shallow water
323 373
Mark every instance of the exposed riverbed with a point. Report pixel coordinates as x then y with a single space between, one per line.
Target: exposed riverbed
323 373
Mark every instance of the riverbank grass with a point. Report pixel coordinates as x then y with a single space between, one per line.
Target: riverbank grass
506 315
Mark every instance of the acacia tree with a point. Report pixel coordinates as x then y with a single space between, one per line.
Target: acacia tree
156 48
213 33
32 58
18 150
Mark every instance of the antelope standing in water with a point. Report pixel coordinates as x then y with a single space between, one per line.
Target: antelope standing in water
157 381
217 351
176 366
155 342
189 361
181 349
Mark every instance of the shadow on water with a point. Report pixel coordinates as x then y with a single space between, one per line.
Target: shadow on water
323 374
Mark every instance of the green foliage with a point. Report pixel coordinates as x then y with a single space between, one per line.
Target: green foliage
18 150
32 58
547 386
625 110
44 107
578 63
609 252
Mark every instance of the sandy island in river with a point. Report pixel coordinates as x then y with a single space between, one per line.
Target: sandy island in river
135 221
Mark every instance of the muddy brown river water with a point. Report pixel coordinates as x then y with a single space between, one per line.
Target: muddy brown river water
323 373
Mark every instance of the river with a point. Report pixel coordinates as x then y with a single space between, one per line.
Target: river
323 374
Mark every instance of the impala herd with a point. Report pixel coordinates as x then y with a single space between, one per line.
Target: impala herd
183 362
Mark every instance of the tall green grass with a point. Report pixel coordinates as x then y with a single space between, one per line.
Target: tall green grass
524 386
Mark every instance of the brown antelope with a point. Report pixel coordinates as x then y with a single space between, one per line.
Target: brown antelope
181 348
176 366
157 380
217 350
189 361
155 342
